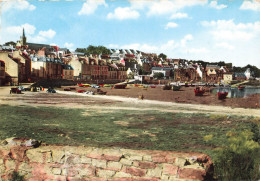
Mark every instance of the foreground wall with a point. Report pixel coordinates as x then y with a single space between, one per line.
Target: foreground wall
87 163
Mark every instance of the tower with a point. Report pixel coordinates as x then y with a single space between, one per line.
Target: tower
23 39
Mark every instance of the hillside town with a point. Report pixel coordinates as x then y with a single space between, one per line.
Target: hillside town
29 62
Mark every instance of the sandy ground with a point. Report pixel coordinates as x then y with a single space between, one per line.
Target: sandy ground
127 99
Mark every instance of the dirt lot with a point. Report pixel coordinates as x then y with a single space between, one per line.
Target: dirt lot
185 95
127 99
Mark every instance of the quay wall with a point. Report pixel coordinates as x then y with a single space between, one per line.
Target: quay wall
89 163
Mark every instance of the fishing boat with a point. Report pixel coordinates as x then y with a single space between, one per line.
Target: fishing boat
176 87
120 86
222 95
199 91
240 87
167 87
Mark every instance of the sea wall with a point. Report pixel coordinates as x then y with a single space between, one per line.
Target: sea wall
89 163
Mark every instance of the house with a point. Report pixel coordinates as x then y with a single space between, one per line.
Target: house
11 67
239 76
67 72
77 64
227 77
2 72
46 67
166 71
26 65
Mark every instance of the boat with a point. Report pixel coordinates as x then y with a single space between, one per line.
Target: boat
240 87
199 91
153 86
222 95
120 86
167 87
176 87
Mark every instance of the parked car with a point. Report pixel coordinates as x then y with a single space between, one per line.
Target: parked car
15 90
95 86
51 90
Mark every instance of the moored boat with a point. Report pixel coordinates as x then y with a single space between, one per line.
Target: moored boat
240 87
222 95
176 87
120 86
199 91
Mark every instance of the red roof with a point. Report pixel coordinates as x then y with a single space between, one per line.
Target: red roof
129 55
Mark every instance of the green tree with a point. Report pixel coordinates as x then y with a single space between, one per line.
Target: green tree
10 43
163 56
158 75
94 50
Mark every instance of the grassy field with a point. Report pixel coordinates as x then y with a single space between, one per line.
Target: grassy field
120 128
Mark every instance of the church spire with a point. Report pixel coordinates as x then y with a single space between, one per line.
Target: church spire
23 39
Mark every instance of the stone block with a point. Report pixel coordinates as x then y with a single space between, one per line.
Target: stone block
71 172
73 159
10 164
25 167
157 172
56 171
169 169
147 179
144 165
189 173
135 171
117 166
84 159
135 158
170 158
87 172
180 162
159 159
122 175
99 163
105 173
58 156
125 161
147 158
35 156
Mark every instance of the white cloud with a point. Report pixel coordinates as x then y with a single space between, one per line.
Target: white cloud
165 7
165 47
13 33
123 13
17 5
187 38
15 30
228 30
197 50
225 45
47 34
171 25
251 5
90 6
179 16
113 46
68 45
214 4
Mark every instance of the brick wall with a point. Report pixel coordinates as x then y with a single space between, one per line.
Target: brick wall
88 163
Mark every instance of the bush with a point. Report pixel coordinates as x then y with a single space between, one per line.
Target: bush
240 160
17 177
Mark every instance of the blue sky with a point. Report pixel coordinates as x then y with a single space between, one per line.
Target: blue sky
222 30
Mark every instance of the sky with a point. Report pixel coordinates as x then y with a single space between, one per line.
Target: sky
208 30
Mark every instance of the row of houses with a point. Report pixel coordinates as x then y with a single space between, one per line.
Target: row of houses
31 62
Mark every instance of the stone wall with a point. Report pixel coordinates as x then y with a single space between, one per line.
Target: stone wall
88 163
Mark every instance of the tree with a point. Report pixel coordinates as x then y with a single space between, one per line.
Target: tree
10 43
158 75
163 56
94 50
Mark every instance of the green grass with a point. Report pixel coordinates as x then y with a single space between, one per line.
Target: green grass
152 130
